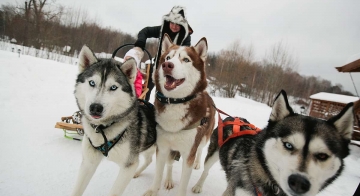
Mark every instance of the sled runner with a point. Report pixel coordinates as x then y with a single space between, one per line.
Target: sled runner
71 125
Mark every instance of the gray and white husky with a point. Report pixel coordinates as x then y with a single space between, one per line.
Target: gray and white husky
116 126
294 155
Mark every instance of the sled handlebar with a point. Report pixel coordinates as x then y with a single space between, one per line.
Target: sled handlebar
117 49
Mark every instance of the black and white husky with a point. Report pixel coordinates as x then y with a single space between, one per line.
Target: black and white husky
294 155
116 126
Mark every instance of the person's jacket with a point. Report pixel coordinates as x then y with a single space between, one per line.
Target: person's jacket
182 38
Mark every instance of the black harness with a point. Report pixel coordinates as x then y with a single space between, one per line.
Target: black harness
107 145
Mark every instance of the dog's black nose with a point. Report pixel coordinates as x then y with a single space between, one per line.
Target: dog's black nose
167 66
298 184
96 109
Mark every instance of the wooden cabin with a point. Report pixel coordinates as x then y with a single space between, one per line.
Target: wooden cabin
326 105
351 67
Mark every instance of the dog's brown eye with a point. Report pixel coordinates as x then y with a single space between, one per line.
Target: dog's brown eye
186 60
322 156
167 58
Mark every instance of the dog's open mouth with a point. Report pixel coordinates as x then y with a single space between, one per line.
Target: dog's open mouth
172 83
96 116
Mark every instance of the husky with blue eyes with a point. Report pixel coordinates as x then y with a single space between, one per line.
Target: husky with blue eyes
116 126
294 155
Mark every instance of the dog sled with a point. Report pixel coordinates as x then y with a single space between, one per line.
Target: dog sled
71 125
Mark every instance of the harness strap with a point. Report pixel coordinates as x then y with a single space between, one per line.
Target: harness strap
147 104
107 145
257 192
237 123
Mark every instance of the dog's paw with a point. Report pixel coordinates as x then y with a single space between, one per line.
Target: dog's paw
196 189
196 165
169 184
136 175
150 193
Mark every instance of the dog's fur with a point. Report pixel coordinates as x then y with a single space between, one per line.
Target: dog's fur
294 155
105 95
183 127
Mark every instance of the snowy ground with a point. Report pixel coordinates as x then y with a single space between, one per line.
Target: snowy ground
37 159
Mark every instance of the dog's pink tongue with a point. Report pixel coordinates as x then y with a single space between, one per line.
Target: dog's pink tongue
170 83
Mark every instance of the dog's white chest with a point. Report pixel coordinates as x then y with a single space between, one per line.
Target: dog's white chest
119 153
174 117
176 140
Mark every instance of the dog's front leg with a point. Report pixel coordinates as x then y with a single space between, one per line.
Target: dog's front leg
210 160
91 160
197 162
148 159
169 184
161 157
185 175
126 173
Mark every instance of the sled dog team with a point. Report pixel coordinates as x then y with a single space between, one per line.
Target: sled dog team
292 155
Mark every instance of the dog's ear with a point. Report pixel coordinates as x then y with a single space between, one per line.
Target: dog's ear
201 48
344 121
129 69
166 43
86 58
280 108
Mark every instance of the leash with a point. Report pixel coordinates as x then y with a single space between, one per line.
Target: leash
147 104
237 124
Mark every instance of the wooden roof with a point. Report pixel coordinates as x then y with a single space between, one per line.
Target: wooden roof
350 67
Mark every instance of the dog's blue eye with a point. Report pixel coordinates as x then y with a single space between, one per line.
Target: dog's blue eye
288 146
92 83
167 58
186 60
113 87
322 156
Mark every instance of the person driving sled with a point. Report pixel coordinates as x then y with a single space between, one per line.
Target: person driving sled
175 25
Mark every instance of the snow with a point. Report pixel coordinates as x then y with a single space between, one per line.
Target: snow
334 97
37 160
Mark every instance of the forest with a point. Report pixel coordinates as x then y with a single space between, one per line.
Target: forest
44 24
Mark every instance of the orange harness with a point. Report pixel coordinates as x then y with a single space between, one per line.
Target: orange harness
237 123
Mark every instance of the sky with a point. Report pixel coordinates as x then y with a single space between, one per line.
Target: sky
320 35
37 160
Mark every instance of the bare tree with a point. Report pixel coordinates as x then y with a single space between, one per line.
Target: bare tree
279 62
231 69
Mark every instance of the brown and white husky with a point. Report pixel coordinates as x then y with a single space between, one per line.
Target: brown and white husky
184 111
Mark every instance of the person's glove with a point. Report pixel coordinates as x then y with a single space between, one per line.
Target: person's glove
136 53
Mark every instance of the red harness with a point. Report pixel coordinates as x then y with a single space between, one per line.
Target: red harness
237 123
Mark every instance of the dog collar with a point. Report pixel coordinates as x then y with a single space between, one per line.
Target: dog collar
100 127
161 97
